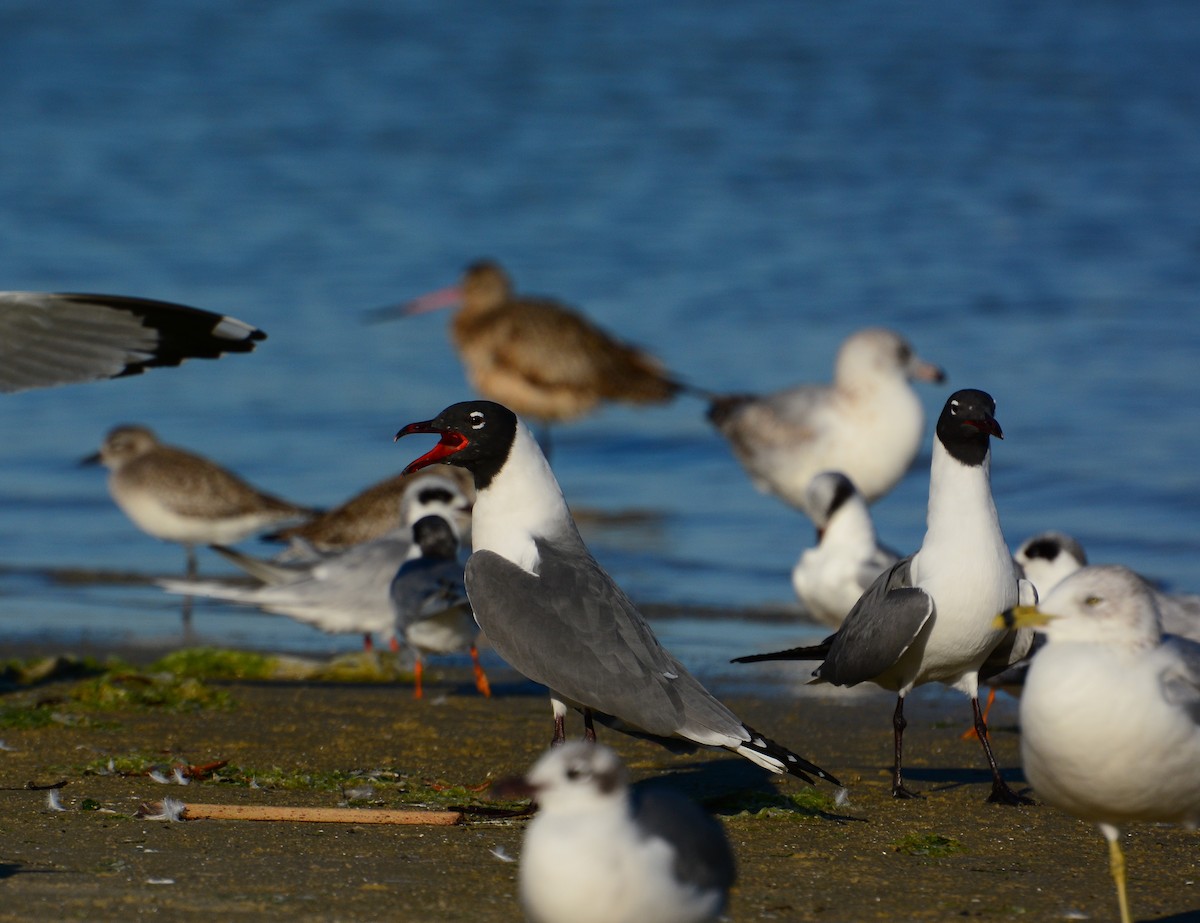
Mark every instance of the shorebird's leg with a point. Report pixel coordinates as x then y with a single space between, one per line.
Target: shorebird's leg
589 729
192 571
1001 793
418 672
898 725
481 680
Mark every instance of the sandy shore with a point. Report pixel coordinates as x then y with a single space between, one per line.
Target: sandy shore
314 742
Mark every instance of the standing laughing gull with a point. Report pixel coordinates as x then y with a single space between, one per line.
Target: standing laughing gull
868 424
598 851
178 496
54 339
554 614
544 360
1110 715
929 617
847 559
433 615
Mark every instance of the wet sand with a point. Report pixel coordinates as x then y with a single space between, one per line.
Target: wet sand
947 856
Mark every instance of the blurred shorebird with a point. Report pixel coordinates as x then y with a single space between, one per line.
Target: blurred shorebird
544 360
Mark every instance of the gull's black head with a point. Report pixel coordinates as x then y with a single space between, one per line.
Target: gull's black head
476 435
436 538
966 425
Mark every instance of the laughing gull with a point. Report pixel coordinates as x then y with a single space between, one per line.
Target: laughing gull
429 598
1050 557
376 510
177 496
1110 715
554 614
53 339
929 617
340 592
868 423
830 577
598 851
544 360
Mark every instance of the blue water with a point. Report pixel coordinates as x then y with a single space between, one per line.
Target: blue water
736 186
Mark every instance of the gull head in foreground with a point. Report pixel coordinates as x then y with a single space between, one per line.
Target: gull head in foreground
599 851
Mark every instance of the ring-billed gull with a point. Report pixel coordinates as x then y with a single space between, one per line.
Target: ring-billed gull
1110 713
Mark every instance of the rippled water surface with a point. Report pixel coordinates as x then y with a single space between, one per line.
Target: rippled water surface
735 186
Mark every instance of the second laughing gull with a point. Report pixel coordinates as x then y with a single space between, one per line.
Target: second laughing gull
868 423
555 615
830 577
929 617
1110 714
48 338
599 851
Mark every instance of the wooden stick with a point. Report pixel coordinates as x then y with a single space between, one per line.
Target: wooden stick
319 815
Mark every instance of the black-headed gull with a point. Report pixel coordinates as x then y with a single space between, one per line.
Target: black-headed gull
554 614
929 617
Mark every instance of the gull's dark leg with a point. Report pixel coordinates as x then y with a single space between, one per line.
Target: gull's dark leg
560 730
898 726
1001 793
191 573
589 729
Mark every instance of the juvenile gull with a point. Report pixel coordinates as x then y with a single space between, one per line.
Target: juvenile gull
929 617
1110 714
541 358
178 496
554 614
53 339
830 577
429 598
867 424
598 851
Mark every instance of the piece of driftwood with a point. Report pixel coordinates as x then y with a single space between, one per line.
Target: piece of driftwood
318 815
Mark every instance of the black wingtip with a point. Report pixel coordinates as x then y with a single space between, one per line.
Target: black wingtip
793 764
813 652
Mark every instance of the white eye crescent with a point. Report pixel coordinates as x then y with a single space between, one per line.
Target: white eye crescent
477 420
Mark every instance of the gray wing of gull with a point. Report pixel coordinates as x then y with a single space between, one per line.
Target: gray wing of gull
1015 647
882 625
570 628
1181 683
703 857
425 587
